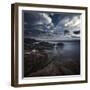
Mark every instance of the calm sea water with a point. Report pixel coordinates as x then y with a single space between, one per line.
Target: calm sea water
70 50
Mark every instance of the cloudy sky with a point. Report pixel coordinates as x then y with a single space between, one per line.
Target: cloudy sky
51 24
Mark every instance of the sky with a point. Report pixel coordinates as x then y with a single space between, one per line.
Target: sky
51 25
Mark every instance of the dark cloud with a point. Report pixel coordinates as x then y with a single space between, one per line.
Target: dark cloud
52 23
34 18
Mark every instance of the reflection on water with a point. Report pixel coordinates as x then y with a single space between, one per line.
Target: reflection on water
55 52
69 50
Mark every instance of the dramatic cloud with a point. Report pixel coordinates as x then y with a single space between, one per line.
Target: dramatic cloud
38 18
37 24
71 24
51 25
45 19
